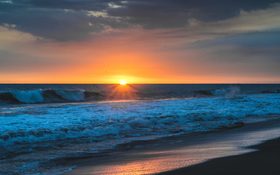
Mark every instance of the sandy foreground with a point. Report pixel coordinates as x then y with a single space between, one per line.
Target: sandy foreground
191 154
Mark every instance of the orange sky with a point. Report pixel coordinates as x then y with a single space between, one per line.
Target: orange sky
134 55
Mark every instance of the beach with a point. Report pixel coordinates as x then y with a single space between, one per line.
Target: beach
198 153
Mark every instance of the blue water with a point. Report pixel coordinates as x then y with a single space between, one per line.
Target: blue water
34 94
43 123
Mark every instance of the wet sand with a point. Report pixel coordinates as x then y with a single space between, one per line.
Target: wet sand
264 161
185 154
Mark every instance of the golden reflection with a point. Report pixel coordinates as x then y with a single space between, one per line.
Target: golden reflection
152 165
135 168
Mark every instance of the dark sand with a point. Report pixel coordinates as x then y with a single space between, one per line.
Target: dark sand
190 151
265 161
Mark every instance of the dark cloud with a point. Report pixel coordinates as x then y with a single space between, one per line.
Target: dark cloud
243 54
67 4
176 13
68 19
55 20
51 24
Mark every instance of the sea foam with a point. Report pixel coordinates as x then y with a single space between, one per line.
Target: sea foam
102 121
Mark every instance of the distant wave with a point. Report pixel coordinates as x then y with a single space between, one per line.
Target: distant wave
46 96
58 96
38 96
230 92
32 96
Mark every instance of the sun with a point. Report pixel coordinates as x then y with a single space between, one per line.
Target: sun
123 82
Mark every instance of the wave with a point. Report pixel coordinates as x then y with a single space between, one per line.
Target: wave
71 95
32 96
38 96
46 96
58 96
229 92
128 119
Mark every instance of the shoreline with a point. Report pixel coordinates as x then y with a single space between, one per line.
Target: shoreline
179 152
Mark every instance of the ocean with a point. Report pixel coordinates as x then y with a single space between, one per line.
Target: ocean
41 124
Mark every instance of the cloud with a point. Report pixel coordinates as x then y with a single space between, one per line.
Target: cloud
114 5
66 20
12 38
6 1
251 21
196 32
61 24
176 13
98 14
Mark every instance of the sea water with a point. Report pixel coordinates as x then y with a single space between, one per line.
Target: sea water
40 124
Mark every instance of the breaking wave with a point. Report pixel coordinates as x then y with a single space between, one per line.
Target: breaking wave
71 95
39 96
46 96
32 96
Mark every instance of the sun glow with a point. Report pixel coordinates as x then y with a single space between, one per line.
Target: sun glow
123 82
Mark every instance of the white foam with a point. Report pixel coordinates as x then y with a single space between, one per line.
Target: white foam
229 92
103 121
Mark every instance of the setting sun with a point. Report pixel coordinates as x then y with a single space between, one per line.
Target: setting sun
123 82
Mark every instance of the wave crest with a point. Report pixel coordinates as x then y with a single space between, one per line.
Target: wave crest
46 96
32 96
71 95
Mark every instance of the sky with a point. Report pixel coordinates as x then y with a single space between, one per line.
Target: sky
141 41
